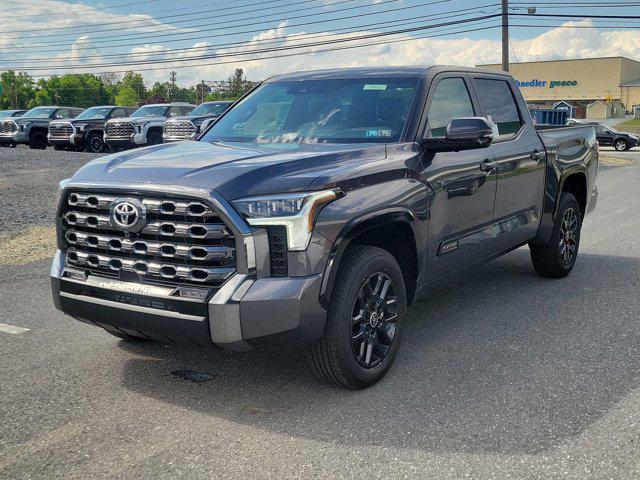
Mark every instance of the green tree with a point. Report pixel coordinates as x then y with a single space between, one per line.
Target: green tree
74 90
17 89
127 96
136 82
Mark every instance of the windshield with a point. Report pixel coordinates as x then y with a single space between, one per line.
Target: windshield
209 109
95 113
39 112
5 113
319 111
150 111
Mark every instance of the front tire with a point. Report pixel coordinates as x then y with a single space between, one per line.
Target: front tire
557 258
621 145
154 138
95 144
365 320
37 141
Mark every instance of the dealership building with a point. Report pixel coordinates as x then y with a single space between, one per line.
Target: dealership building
588 88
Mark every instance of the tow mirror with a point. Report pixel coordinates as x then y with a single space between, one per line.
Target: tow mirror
463 134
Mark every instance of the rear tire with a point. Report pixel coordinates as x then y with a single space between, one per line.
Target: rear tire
365 320
557 258
37 141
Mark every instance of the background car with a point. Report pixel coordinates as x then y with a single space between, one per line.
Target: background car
32 127
189 127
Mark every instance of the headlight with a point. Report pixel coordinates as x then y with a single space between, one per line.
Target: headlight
297 212
81 126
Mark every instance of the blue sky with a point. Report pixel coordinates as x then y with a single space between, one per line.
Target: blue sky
56 36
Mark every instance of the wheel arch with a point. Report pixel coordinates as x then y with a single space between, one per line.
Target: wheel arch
574 182
393 230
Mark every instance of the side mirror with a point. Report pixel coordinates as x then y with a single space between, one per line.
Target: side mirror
463 134
58 116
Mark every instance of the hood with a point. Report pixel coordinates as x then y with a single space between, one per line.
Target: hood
75 121
233 170
137 120
23 120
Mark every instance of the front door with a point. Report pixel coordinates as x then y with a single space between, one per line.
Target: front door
604 136
461 206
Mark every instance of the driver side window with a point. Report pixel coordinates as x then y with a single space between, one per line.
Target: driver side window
451 99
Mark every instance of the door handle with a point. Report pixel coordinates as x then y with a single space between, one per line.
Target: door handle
488 166
538 156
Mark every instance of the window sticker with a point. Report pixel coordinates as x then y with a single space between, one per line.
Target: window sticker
374 86
378 133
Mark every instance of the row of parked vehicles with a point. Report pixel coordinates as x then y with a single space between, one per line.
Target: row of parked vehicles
108 127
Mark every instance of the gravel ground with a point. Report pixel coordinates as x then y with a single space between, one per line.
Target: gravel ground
502 374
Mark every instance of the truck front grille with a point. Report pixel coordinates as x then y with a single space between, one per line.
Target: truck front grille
184 241
7 128
60 130
180 129
119 130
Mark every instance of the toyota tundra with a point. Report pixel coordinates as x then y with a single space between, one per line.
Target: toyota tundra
317 210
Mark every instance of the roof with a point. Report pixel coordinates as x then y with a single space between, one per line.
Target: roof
373 72
634 83
597 101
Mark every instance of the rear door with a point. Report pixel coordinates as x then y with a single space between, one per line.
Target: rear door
462 205
520 158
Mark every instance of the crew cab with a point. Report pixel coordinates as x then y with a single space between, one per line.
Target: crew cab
317 210
143 127
31 128
86 131
189 127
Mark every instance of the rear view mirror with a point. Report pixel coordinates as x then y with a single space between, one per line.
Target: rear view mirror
463 134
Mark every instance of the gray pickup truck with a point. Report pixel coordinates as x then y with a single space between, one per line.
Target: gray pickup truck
317 210
190 126
32 127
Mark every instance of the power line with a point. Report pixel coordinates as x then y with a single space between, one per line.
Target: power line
216 16
128 4
270 40
267 50
270 57
259 30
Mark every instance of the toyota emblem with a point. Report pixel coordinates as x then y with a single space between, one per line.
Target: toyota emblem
128 214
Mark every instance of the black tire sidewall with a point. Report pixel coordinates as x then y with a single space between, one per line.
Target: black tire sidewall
626 145
38 145
155 138
89 147
341 311
567 201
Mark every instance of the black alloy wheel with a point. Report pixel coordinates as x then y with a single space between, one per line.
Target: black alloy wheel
374 319
568 235
95 144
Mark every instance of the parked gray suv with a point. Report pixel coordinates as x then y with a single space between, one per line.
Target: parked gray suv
189 127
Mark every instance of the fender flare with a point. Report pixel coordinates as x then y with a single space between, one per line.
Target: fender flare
563 178
356 227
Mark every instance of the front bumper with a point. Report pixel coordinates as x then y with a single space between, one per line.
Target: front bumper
245 312
17 137
172 138
7 139
74 139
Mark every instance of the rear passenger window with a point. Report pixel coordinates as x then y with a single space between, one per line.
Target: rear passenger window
451 99
499 104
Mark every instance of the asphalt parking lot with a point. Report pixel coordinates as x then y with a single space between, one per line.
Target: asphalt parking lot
502 374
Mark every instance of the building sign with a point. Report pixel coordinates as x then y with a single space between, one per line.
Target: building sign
548 84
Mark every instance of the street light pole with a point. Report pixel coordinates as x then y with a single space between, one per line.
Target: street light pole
505 35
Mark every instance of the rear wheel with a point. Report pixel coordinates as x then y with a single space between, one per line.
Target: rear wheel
621 145
365 320
95 144
37 140
556 259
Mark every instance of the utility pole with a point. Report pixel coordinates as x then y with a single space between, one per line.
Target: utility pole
172 78
202 87
505 35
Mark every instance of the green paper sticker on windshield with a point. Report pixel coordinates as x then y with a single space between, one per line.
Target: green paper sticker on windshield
374 86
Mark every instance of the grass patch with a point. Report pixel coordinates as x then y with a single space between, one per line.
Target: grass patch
633 121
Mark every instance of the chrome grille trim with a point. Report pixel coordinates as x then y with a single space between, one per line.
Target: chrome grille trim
119 130
60 130
147 247
180 129
186 240
8 128
144 267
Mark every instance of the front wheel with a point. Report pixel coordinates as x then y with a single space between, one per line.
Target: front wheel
557 258
365 320
95 144
621 145
38 141
154 138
